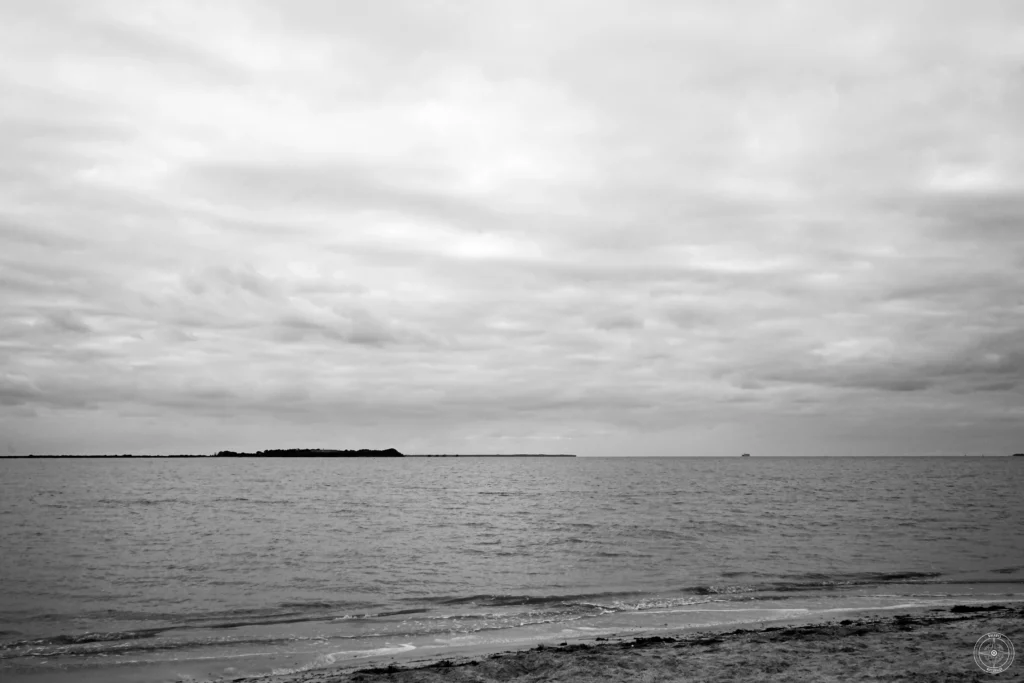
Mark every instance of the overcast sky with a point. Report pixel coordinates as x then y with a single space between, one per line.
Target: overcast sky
592 227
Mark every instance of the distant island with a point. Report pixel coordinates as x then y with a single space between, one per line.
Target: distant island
274 453
1018 455
313 453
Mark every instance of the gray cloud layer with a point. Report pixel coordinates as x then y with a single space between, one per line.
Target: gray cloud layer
603 227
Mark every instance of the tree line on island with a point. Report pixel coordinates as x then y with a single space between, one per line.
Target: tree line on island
309 453
367 453
313 452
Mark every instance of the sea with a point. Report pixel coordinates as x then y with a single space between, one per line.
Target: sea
156 569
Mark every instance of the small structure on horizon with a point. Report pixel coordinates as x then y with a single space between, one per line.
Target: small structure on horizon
745 455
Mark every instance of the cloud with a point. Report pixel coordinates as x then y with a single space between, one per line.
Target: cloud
510 226
15 390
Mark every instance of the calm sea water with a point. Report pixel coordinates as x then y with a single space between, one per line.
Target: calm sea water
155 570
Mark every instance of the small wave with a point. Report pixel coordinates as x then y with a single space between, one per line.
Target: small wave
572 605
270 621
651 604
128 502
817 581
1008 570
288 612
311 604
95 648
463 617
721 590
491 600
751 597
900 576
79 639
544 609
259 501
145 502
293 614
862 579
370 616
400 612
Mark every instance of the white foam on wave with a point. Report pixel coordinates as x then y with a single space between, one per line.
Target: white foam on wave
738 609
460 640
332 658
362 654
910 605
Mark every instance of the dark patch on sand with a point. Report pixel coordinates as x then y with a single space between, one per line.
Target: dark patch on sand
960 609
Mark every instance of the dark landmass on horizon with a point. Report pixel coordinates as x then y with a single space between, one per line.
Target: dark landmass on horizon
362 453
313 453
279 453
310 453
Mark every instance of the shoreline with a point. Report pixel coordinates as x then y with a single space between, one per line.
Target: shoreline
926 644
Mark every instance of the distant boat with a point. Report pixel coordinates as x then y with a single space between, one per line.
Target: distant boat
745 455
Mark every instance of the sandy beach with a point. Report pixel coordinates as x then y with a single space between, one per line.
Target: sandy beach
935 645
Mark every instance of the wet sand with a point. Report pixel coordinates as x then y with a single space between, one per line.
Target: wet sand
927 645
